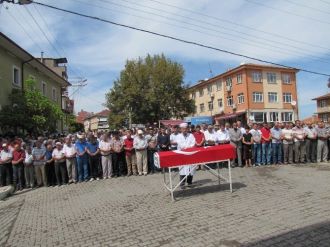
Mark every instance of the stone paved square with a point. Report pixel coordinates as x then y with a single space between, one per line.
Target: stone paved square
270 206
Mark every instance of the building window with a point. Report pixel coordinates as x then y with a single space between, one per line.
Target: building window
16 76
201 107
193 95
256 77
287 116
220 103
273 117
271 78
240 98
228 82
201 92
259 117
323 103
230 101
219 86
43 88
272 97
258 97
54 96
209 89
287 97
286 78
239 78
324 117
210 105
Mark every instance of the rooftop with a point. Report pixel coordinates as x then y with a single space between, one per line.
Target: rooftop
243 66
325 96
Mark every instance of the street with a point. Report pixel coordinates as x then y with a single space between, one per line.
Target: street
270 206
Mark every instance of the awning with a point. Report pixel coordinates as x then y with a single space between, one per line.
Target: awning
229 116
170 122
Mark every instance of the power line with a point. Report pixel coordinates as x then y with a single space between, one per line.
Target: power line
24 30
239 25
323 1
209 24
178 39
42 31
253 43
56 41
308 7
287 12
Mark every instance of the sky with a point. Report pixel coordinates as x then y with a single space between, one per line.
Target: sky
291 32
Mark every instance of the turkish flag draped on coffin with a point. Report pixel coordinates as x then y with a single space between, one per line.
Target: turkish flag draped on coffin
195 155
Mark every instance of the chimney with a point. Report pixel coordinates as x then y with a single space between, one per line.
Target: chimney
42 57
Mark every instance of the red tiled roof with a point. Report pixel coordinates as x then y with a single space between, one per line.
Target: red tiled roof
326 96
82 115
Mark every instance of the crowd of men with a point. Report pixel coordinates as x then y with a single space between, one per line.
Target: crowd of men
34 162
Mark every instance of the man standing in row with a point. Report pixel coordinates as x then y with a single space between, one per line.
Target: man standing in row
186 140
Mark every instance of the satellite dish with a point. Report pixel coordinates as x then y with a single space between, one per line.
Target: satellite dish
293 103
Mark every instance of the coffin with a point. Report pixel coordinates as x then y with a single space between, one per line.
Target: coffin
196 155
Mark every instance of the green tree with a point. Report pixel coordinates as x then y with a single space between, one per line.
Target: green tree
150 89
30 110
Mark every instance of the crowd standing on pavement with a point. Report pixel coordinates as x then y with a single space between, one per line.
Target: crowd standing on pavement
31 162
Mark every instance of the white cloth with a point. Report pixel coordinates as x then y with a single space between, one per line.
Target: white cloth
223 136
210 136
184 142
58 154
5 155
243 130
173 138
28 158
69 151
105 145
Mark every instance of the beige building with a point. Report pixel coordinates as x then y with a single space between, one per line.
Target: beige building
17 65
250 93
323 107
97 122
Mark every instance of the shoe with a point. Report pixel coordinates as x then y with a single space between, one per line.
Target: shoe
145 174
105 178
97 179
91 180
140 173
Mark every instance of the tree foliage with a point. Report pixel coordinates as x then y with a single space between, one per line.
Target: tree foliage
30 110
151 89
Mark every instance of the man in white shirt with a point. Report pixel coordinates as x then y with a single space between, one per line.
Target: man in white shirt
210 136
140 145
223 135
239 126
186 140
173 137
59 163
106 159
6 157
311 143
287 137
70 155
256 137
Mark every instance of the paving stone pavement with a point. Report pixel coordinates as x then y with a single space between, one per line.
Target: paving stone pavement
270 206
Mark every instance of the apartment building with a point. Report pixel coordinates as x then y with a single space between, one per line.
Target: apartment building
250 93
97 122
323 107
17 65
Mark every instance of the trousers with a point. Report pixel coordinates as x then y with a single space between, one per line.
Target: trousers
141 160
311 146
106 166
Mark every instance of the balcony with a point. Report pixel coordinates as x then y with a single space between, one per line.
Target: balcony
323 109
